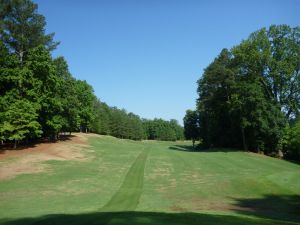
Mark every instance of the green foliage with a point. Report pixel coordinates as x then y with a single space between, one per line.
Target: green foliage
260 120
178 129
119 123
22 28
159 129
19 121
215 89
291 143
272 57
67 95
191 125
28 72
31 81
86 98
101 124
134 127
248 94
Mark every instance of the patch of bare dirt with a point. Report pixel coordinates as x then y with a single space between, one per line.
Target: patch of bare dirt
258 154
30 160
197 204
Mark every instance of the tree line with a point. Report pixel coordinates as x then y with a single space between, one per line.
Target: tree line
249 96
39 97
118 123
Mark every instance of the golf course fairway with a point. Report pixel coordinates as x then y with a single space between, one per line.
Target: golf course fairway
93 179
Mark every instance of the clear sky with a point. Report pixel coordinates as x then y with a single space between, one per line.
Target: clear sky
146 55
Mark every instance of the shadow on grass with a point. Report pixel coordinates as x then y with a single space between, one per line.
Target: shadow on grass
283 207
198 148
139 218
9 146
185 148
189 148
32 144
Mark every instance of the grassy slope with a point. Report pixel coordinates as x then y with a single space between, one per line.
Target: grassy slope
219 187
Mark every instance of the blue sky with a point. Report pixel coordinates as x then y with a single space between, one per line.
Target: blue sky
146 55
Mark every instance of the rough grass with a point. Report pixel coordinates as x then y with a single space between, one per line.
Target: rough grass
128 182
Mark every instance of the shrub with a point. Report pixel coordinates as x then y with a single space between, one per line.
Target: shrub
291 145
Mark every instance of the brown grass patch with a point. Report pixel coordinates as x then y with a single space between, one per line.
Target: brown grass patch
206 205
176 208
203 204
31 160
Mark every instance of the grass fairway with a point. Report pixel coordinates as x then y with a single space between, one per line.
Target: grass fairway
150 182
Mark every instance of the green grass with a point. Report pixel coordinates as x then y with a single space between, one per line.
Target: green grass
128 182
128 195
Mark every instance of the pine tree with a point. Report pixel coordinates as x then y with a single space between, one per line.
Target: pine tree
22 28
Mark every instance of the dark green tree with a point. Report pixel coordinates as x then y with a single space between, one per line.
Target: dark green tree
291 142
245 93
159 129
67 94
101 123
191 126
86 98
22 28
215 90
19 122
272 56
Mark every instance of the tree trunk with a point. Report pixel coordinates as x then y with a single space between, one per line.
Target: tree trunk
15 144
193 143
244 139
21 58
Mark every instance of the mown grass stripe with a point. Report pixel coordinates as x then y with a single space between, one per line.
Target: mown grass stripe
128 195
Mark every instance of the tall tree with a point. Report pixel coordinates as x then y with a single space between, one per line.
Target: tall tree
22 28
245 92
20 122
272 55
86 98
67 94
291 143
191 126
45 90
215 90
101 123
